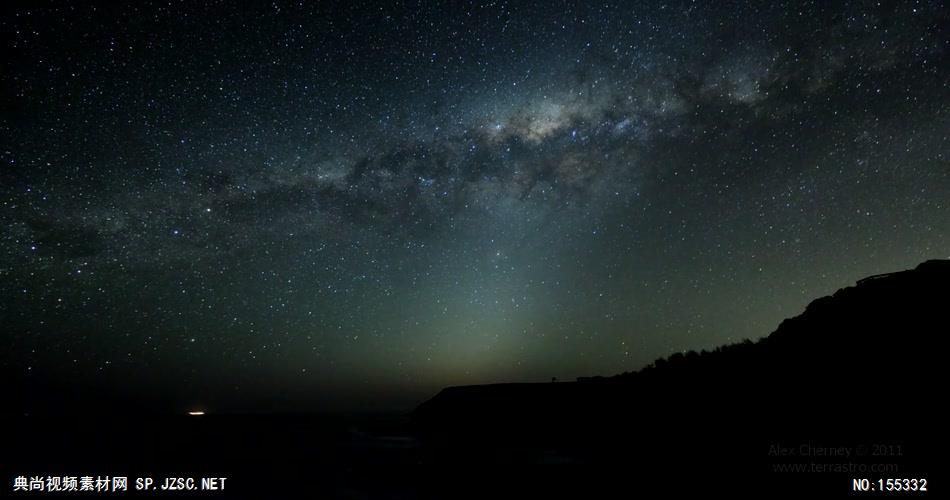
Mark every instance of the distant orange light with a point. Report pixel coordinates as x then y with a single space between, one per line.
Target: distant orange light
196 413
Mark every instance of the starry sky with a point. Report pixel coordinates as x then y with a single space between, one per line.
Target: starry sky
260 206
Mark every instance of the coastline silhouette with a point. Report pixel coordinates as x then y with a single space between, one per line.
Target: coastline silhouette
853 370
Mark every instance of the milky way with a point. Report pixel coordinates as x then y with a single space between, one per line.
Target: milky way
304 207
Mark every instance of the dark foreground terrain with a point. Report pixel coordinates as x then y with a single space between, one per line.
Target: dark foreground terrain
848 390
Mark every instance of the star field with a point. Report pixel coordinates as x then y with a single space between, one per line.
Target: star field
300 206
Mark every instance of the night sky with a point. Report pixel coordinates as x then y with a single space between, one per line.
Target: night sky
276 206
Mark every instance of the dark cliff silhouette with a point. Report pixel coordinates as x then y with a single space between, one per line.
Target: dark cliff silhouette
857 369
